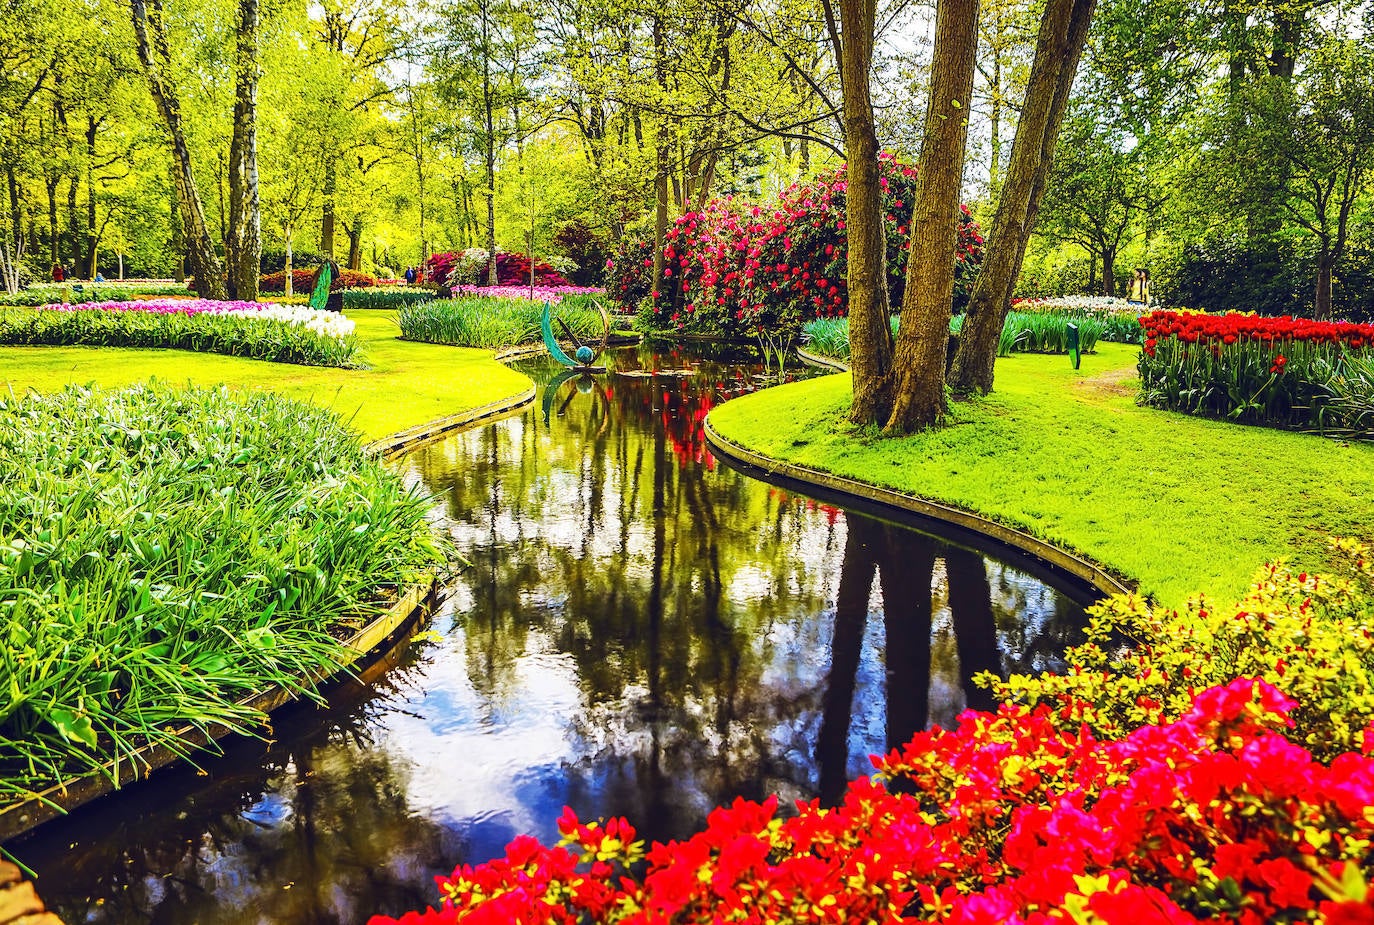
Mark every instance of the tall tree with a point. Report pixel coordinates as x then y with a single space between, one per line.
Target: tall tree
1063 33
243 243
918 369
155 55
870 331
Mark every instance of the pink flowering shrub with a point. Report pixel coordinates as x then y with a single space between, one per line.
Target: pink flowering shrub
1022 816
733 268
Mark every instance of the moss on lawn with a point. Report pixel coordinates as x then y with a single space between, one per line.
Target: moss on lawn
408 383
1180 504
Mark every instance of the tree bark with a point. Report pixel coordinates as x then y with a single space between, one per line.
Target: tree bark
1321 301
243 248
289 283
661 166
1063 32
870 332
154 54
92 129
1109 270
918 368
355 245
489 144
328 193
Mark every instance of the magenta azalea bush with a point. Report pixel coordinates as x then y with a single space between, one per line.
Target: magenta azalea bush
550 294
733 268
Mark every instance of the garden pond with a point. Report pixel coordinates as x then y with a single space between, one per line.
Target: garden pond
640 630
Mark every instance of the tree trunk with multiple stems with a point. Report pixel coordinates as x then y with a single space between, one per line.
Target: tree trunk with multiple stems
1063 32
918 367
243 248
870 333
154 55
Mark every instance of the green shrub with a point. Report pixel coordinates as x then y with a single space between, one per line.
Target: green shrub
491 323
167 552
1311 636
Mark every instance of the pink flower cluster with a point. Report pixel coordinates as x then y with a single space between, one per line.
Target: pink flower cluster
1018 817
168 307
551 294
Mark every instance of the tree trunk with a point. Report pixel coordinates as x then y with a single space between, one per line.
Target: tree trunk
918 366
286 234
50 184
355 245
92 128
661 167
1321 302
74 235
243 248
870 333
328 192
154 54
1109 270
489 145
1063 32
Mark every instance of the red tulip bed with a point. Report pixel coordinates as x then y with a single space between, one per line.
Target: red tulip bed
734 269
1290 372
1020 816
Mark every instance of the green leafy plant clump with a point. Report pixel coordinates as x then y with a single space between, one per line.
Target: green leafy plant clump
168 552
384 297
491 323
1022 332
240 334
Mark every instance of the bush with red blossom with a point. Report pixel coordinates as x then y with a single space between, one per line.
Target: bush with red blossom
303 279
734 268
511 270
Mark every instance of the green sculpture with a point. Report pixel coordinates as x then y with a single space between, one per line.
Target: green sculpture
324 281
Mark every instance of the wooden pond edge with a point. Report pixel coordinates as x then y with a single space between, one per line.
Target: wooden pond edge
821 361
26 815
1057 557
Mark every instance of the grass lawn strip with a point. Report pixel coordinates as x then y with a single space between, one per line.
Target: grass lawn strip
407 384
1180 504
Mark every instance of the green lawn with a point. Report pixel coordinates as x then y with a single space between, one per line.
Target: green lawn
408 383
1178 503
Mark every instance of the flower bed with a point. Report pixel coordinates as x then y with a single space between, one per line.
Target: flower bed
1119 319
1291 372
550 294
260 330
167 552
469 268
1151 801
303 279
734 268
54 293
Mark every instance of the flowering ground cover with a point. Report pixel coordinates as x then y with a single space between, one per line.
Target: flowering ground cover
280 333
1293 372
1023 816
406 384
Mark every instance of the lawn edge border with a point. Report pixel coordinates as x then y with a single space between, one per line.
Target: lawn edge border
1056 556
61 799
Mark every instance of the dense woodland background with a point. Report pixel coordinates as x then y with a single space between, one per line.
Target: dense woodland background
1225 146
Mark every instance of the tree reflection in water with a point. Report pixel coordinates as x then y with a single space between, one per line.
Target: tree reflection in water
640 632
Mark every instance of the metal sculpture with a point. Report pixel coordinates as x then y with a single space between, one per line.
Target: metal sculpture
583 355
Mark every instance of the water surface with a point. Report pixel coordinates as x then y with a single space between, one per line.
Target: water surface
640 631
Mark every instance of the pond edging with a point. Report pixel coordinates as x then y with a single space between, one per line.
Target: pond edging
1063 559
821 361
62 798
404 440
